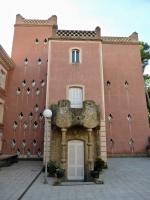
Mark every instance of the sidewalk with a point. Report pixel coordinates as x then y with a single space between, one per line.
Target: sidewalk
125 179
14 180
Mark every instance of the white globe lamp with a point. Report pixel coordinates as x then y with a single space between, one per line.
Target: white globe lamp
47 113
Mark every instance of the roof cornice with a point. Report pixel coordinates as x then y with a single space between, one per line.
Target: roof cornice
5 60
20 21
80 35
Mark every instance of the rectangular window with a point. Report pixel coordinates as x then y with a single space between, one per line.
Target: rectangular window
2 78
1 112
76 97
75 56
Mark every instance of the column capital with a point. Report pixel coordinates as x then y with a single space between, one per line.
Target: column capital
89 130
90 160
64 130
63 144
63 160
89 143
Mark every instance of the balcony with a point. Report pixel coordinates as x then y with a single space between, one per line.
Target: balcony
64 116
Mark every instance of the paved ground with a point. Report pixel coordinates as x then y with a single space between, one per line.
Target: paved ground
126 178
14 180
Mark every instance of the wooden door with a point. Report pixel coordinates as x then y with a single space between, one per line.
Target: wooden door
75 160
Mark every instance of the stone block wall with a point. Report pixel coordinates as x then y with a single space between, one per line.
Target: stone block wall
74 133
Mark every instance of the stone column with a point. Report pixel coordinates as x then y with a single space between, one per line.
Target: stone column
63 144
90 151
98 144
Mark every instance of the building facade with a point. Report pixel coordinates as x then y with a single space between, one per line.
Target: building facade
6 65
93 85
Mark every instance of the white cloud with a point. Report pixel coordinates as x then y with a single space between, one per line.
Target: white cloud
147 70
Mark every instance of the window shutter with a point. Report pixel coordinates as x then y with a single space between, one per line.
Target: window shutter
73 56
1 80
77 56
75 96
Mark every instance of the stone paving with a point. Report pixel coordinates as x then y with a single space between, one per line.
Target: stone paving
14 180
125 179
77 183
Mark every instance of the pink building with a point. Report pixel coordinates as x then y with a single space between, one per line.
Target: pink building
6 65
100 76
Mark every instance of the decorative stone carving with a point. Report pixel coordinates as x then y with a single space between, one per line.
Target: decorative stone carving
94 35
116 39
64 116
73 33
89 114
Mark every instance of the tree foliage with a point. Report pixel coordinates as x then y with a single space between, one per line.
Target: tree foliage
145 54
145 57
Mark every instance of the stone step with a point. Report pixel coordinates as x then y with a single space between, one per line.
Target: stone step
72 183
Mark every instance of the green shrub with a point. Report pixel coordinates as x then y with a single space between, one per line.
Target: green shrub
52 168
60 171
99 162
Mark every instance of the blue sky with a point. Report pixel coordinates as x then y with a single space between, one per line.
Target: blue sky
121 17
115 17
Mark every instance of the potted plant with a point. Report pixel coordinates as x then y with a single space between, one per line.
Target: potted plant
44 168
51 168
95 174
98 164
91 172
60 172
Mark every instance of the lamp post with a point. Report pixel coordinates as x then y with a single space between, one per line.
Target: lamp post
47 114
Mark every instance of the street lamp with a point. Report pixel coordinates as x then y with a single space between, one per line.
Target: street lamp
47 114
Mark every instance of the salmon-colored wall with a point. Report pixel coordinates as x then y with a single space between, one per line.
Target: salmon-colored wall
24 47
63 73
122 63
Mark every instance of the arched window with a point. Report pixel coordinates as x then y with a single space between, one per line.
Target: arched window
76 97
75 56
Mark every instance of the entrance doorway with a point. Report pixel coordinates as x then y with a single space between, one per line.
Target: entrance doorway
75 160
